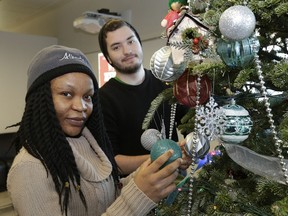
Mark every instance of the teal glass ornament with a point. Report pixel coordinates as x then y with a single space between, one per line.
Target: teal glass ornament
237 124
162 146
238 54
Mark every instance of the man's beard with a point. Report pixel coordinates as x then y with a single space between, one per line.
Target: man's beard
127 70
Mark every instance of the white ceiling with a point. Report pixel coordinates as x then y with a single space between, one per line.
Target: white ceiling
16 12
54 18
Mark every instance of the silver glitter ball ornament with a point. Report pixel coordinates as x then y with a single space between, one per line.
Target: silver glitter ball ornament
237 22
163 67
149 137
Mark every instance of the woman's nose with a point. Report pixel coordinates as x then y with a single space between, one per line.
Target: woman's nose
79 105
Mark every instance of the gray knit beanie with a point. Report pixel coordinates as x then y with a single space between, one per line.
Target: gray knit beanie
54 61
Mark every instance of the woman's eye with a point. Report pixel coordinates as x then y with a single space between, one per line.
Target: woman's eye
66 94
88 98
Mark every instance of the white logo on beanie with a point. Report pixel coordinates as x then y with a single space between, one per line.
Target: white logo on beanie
68 56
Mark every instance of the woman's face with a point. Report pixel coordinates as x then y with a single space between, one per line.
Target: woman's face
72 97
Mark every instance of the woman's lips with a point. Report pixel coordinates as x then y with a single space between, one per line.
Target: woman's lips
76 122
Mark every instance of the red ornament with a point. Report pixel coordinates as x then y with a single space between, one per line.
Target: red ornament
185 89
195 40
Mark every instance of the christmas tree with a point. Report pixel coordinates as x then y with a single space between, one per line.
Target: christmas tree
228 61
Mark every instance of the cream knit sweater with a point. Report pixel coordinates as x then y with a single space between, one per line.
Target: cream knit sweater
33 192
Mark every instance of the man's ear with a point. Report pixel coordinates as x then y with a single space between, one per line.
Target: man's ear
109 60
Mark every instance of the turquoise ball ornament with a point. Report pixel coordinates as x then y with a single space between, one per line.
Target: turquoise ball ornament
238 54
162 146
237 124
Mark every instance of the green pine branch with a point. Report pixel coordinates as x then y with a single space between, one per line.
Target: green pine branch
167 94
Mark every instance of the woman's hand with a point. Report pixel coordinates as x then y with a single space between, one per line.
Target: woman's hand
157 183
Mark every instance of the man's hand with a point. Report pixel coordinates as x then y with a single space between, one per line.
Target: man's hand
187 160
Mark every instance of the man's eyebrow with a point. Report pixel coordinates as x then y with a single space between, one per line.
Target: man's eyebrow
129 38
132 36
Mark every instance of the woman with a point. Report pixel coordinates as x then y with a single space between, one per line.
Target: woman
65 164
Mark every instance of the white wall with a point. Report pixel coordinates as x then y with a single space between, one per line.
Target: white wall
16 52
150 47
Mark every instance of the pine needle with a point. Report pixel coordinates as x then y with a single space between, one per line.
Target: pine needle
163 96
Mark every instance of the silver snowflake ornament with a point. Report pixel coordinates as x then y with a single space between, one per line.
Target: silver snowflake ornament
210 119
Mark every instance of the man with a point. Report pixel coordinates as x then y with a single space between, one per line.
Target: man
126 98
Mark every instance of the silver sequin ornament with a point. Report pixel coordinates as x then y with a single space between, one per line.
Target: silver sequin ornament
149 137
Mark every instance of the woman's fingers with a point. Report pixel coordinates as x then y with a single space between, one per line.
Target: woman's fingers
155 180
161 160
